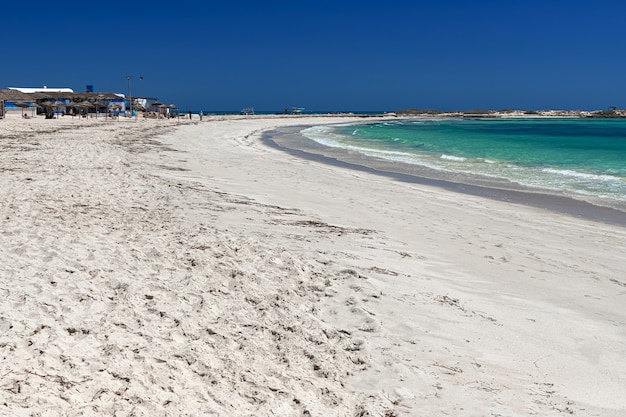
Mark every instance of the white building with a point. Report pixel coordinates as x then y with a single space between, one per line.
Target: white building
43 89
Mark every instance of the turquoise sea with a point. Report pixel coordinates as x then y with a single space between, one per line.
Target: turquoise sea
584 158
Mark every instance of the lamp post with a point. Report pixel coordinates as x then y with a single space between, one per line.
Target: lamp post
143 101
130 98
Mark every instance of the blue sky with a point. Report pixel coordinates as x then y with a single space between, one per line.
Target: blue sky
325 55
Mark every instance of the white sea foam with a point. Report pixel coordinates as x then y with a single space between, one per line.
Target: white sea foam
581 175
327 138
324 136
452 158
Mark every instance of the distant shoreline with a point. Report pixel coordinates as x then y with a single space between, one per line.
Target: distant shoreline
289 139
486 114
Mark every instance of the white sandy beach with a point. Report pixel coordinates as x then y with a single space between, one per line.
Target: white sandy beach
177 268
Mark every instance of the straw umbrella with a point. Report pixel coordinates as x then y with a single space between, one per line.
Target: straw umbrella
98 103
155 107
57 105
52 106
83 105
173 107
115 106
34 106
22 105
49 106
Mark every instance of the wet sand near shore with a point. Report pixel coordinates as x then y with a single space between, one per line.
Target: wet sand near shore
291 141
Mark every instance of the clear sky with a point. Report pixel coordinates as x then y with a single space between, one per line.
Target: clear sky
325 55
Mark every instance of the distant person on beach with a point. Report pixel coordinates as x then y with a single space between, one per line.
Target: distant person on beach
200 116
189 115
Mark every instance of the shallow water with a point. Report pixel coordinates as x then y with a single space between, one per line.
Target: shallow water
577 157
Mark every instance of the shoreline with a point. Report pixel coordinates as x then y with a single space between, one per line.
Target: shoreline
291 141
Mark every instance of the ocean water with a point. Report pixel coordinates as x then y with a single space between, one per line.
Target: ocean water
583 158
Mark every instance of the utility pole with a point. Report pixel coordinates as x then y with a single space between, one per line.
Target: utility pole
130 98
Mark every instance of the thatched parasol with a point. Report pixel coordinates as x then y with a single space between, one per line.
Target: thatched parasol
58 104
173 107
85 104
22 105
52 105
98 105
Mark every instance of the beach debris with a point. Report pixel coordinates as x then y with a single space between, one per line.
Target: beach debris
444 299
